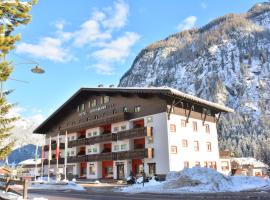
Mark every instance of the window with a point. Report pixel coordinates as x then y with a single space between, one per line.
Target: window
196 145
194 125
101 100
172 128
208 146
94 133
82 107
149 119
207 128
90 150
115 129
197 164
94 150
123 146
137 109
174 149
89 134
184 143
93 103
224 165
212 165
123 128
92 169
125 109
186 164
73 137
116 147
183 123
152 168
106 99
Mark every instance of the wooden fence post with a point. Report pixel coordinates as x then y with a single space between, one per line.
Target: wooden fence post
25 189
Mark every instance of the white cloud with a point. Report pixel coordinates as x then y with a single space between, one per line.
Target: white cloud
114 51
48 47
119 16
117 49
98 32
187 23
89 32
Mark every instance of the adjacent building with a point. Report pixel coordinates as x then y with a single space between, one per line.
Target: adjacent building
113 132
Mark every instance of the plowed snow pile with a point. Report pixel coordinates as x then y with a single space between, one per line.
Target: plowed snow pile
199 179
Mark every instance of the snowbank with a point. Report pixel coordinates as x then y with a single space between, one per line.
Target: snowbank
12 196
55 186
199 179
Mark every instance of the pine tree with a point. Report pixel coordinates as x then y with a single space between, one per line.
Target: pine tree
13 13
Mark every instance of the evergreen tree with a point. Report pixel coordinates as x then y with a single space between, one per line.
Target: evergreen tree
13 13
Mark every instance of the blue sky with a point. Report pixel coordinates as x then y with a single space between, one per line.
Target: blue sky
84 43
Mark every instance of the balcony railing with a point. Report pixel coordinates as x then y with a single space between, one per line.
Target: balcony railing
101 156
101 138
124 155
53 161
61 146
128 134
135 154
136 132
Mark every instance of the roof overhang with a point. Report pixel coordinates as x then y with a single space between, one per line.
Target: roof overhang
166 91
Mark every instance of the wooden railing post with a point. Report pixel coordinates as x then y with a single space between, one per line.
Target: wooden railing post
7 184
25 189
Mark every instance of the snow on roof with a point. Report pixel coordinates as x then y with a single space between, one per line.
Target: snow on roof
249 161
30 162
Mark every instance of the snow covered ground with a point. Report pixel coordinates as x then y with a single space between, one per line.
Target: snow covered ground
199 180
12 196
53 185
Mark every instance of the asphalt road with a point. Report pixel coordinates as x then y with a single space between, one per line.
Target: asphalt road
108 194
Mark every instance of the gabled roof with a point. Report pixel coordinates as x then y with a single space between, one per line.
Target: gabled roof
166 91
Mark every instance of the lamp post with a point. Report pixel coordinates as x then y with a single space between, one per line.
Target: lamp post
36 70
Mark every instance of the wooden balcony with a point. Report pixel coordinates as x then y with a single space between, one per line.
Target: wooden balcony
134 133
62 146
83 124
101 138
53 161
75 159
75 143
135 154
101 156
124 155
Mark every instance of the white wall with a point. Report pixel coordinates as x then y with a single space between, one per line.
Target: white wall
127 167
90 132
160 143
97 146
98 173
188 153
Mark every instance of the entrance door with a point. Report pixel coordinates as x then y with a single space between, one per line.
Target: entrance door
120 171
83 170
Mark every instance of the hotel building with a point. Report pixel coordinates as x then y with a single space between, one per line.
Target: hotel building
113 132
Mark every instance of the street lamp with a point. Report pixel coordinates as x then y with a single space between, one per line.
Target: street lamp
37 70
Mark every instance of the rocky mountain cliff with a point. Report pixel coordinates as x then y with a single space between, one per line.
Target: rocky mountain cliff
225 61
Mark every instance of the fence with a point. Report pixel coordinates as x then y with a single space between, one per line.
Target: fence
8 182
